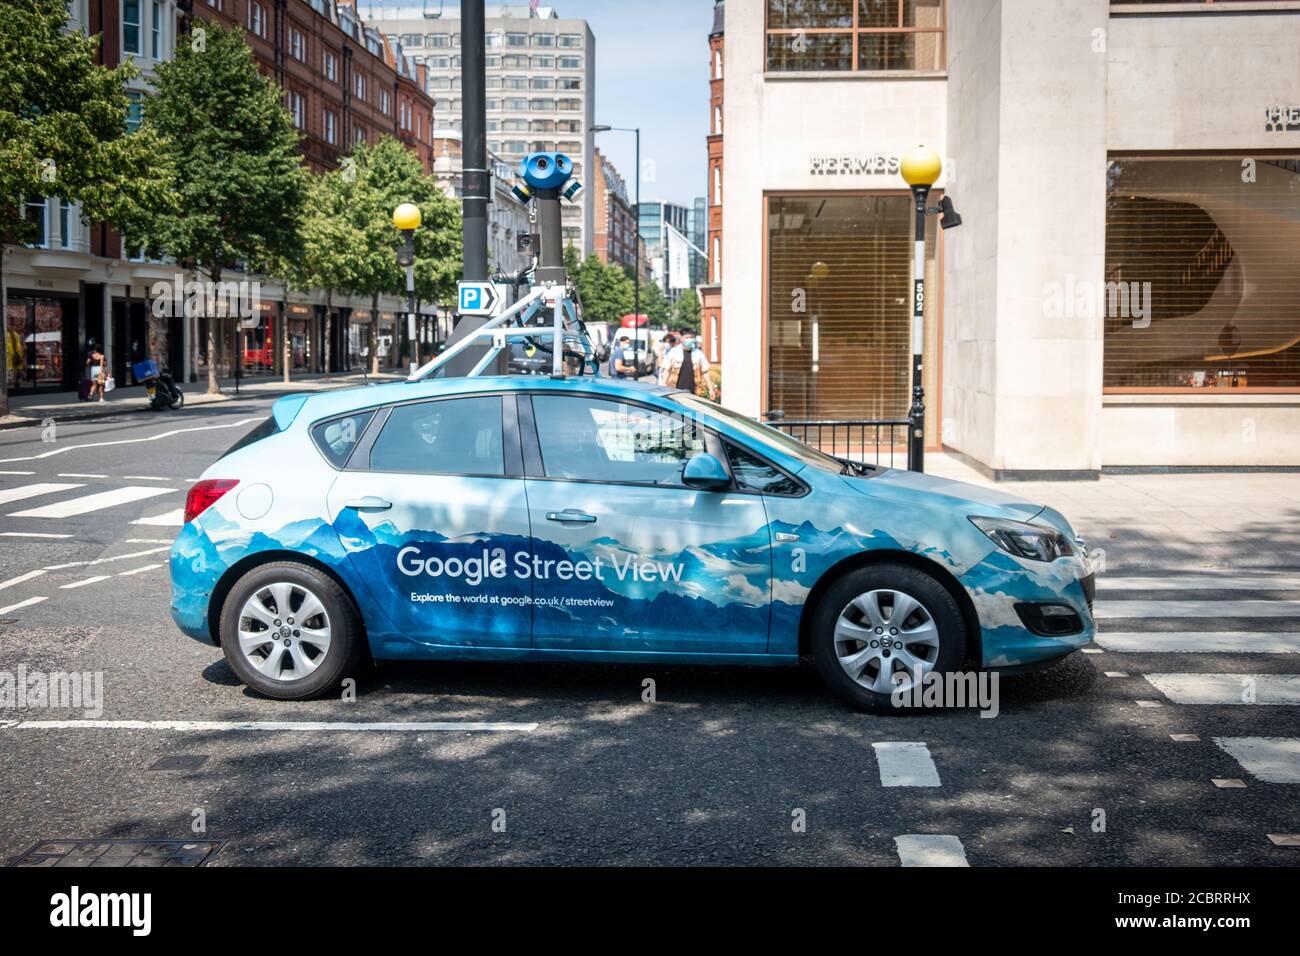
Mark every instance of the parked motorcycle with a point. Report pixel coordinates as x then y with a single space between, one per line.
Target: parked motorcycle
159 386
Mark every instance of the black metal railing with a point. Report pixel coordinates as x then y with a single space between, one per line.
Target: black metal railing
872 441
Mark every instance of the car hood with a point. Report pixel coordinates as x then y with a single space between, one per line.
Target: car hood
975 499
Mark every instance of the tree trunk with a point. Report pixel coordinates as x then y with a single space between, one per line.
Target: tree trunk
329 329
374 334
214 386
4 332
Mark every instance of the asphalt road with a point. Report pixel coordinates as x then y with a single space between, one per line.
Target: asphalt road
719 769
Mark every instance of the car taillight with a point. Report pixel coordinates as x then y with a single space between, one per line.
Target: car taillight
204 494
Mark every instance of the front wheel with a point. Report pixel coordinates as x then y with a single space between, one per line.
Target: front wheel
880 630
290 632
179 400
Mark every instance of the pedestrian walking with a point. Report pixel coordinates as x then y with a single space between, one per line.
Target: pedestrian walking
687 368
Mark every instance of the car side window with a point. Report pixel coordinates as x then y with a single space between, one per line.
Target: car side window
456 436
595 439
337 437
753 474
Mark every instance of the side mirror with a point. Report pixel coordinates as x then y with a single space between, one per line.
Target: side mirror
705 472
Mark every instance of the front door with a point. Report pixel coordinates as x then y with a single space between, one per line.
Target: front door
625 557
435 522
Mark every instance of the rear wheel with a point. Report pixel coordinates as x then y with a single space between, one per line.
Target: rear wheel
179 400
290 632
880 630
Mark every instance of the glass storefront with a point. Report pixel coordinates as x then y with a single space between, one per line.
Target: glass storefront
1202 273
839 310
855 35
36 347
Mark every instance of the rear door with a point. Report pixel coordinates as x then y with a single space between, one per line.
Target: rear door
431 509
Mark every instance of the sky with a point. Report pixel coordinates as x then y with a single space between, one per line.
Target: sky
652 71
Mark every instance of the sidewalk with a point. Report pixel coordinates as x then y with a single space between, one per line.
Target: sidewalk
1183 521
64 407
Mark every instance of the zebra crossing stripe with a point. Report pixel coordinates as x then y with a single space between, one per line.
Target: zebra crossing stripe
31 491
96 502
1271 759
1201 642
84 581
20 579
1201 582
930 849
905 764
169 519
21 604
1201 609
1278 689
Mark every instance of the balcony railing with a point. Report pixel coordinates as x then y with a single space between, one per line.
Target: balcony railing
871 441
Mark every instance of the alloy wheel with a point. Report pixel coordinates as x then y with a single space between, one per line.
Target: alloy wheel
886 640
284 631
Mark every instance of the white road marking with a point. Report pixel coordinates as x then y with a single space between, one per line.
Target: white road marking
165 520
20 579
1201 642
96 502
1200 582
116 557
1271 759
128 441
1228 688
84 581
930 849
28 603
260 725
1148 609
1184 738
905 764
76 475
1228 783
31 534
1284 839
145 478
139 570
31 491
166 541
17 472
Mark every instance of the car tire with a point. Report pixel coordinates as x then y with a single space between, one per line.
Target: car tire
311 654
859 605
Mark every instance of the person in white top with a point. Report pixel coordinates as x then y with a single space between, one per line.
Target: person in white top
685 367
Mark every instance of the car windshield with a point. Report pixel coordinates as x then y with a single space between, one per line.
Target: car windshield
765 434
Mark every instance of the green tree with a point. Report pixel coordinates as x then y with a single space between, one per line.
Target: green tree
686 313
606 291
241 184
654 304
572 261
63 133
332 245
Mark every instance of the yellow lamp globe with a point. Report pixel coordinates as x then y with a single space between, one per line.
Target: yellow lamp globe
921 166
407 216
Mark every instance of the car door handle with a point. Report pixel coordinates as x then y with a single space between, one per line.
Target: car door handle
570 515
368 503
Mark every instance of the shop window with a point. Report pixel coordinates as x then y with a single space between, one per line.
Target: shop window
1202 282
855 35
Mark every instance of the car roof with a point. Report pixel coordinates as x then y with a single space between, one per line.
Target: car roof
313 406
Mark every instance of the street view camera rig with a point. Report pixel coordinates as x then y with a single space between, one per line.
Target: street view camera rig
549 310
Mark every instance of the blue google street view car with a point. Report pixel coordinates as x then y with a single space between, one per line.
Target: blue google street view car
523 518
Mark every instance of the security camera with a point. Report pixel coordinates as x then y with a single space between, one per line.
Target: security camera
950 217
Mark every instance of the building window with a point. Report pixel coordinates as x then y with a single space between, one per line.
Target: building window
543 62
541 83
440 40
297 49
296 108
131 26
66 224
331 67
516 39
570 63
717 259
156 32
331 127
358 134
1200 290
383 102
717 63
543 39
359 85
413 40
855 35
569 105
838 305
257 20
542 105
717 119
570 83
134 110
717 185
41 234
570 40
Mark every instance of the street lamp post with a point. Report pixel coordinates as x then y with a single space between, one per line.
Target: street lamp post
920 169
406 217
636 243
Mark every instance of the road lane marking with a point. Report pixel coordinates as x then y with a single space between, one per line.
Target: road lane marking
76 475
1284 839
270 725
905 764
1279 689
20 579
84 581
96 502
128 441
116 557
31 491
145 478
21 604
166 541
1271 759
1150 609
31 534
165 520
930 849
1201 642
139 570
1200 582
17 472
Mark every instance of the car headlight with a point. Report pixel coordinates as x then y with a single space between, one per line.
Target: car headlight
1033 541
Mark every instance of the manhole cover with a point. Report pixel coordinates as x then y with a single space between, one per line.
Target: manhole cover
180 762
118 853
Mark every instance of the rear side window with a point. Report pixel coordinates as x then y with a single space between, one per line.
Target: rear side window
754 474
457 436
337 437
263 430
